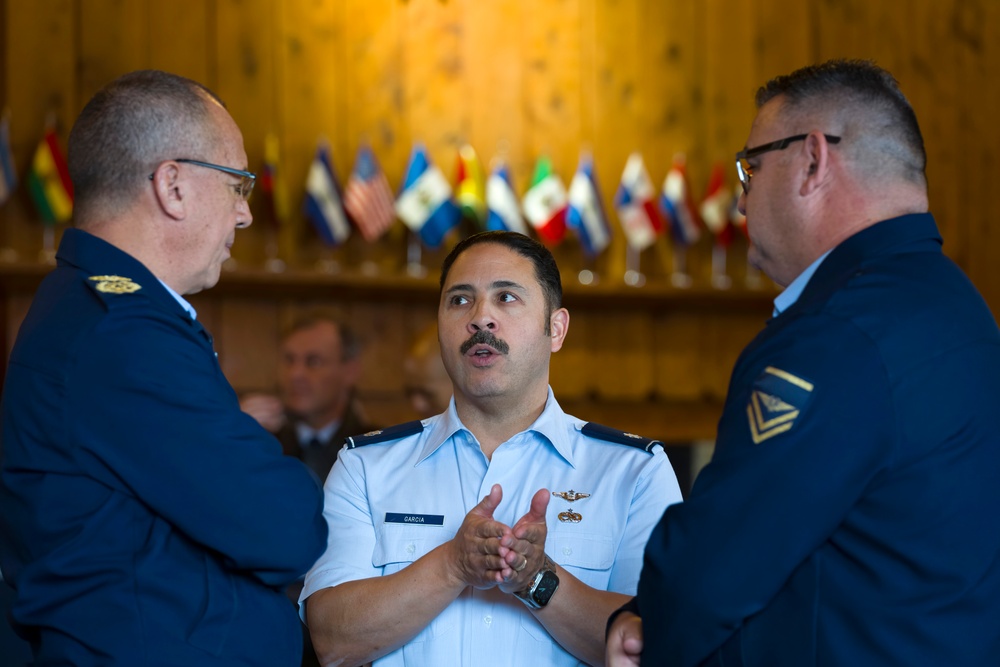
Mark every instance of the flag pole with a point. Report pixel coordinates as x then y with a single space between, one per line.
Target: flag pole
633 276
48 252
414 250
680 277
720 280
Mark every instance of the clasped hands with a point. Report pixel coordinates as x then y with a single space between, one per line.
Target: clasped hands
486 552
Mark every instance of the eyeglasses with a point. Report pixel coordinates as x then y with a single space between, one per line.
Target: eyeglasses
247 178
745 171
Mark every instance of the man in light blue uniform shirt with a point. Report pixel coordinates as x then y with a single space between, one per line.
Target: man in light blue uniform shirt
502 530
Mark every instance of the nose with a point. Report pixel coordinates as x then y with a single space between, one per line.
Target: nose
482 318
244 217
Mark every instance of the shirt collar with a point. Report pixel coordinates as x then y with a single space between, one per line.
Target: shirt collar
791 294
550 424
306 433
184 304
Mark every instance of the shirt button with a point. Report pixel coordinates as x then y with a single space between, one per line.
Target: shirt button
410 548
487 619
567 551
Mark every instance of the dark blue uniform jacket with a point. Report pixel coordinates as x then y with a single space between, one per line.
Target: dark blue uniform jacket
849 515
146 520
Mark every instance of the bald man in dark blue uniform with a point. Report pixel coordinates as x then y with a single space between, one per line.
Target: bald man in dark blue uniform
146 520
848 515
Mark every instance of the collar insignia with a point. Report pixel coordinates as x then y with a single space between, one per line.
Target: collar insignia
776 401
115 284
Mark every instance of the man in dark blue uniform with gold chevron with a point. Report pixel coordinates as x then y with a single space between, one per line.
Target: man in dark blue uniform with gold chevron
848 516
146 520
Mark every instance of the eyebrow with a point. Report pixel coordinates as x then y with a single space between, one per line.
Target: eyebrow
496 284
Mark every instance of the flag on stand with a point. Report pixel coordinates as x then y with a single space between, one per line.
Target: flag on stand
425 203
714 207
368 198
272 184
635 203
8 174
676 202
545 203
324 205
48 181
504 210
470 188
586 211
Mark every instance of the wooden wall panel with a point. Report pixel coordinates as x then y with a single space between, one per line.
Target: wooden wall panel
114 39
245 38
179 38
313 106
41 84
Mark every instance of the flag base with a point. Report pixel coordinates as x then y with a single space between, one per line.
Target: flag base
634 279
8 255
274 265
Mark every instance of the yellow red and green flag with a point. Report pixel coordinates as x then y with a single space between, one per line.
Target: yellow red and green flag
48 181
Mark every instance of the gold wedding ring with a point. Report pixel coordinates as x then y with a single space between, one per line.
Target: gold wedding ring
524 564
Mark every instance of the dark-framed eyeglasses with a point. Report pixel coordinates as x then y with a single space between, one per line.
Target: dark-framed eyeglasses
745 171
247 178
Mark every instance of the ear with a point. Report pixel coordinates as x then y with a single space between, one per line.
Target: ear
170 190
817 170
558 327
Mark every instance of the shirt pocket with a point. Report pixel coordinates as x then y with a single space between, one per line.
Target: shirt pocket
398 545
588 556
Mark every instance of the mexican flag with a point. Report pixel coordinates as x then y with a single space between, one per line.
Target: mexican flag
545 203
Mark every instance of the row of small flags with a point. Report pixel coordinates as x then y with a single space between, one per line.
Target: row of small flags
431 206
47 179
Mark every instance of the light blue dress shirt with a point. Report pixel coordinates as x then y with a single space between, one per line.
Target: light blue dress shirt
441 473
792 293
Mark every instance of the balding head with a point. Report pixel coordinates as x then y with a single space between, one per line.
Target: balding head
127 128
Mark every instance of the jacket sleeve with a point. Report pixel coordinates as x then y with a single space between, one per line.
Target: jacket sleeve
771 496
154 417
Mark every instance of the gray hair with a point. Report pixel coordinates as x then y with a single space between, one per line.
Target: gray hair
870 113
129 127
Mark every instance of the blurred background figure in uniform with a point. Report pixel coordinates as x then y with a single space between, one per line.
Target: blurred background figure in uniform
315 409
425 379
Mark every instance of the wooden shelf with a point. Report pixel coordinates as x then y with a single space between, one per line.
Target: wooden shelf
354 286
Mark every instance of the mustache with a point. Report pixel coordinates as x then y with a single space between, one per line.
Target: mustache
484 337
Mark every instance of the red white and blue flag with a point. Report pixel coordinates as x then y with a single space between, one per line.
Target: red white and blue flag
676 203
368 198
714 207
635 203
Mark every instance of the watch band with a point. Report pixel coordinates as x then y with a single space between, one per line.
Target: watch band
542 586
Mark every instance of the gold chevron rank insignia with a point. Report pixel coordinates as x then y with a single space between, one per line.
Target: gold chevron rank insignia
777 399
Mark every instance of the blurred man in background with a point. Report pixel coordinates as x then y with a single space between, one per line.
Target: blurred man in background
319 366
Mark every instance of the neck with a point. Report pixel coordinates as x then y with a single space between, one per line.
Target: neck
494 421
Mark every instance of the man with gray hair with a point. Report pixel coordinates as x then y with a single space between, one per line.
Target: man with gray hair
848 515
147 520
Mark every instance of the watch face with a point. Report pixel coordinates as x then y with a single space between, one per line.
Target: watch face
545 588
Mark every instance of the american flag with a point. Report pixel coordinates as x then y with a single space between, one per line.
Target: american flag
367 197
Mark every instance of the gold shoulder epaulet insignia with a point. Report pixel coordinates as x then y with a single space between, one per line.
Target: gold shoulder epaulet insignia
115 284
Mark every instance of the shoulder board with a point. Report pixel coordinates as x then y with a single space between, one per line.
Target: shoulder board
620 437
385 434
112 285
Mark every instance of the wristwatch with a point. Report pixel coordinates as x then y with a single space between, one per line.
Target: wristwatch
540 590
